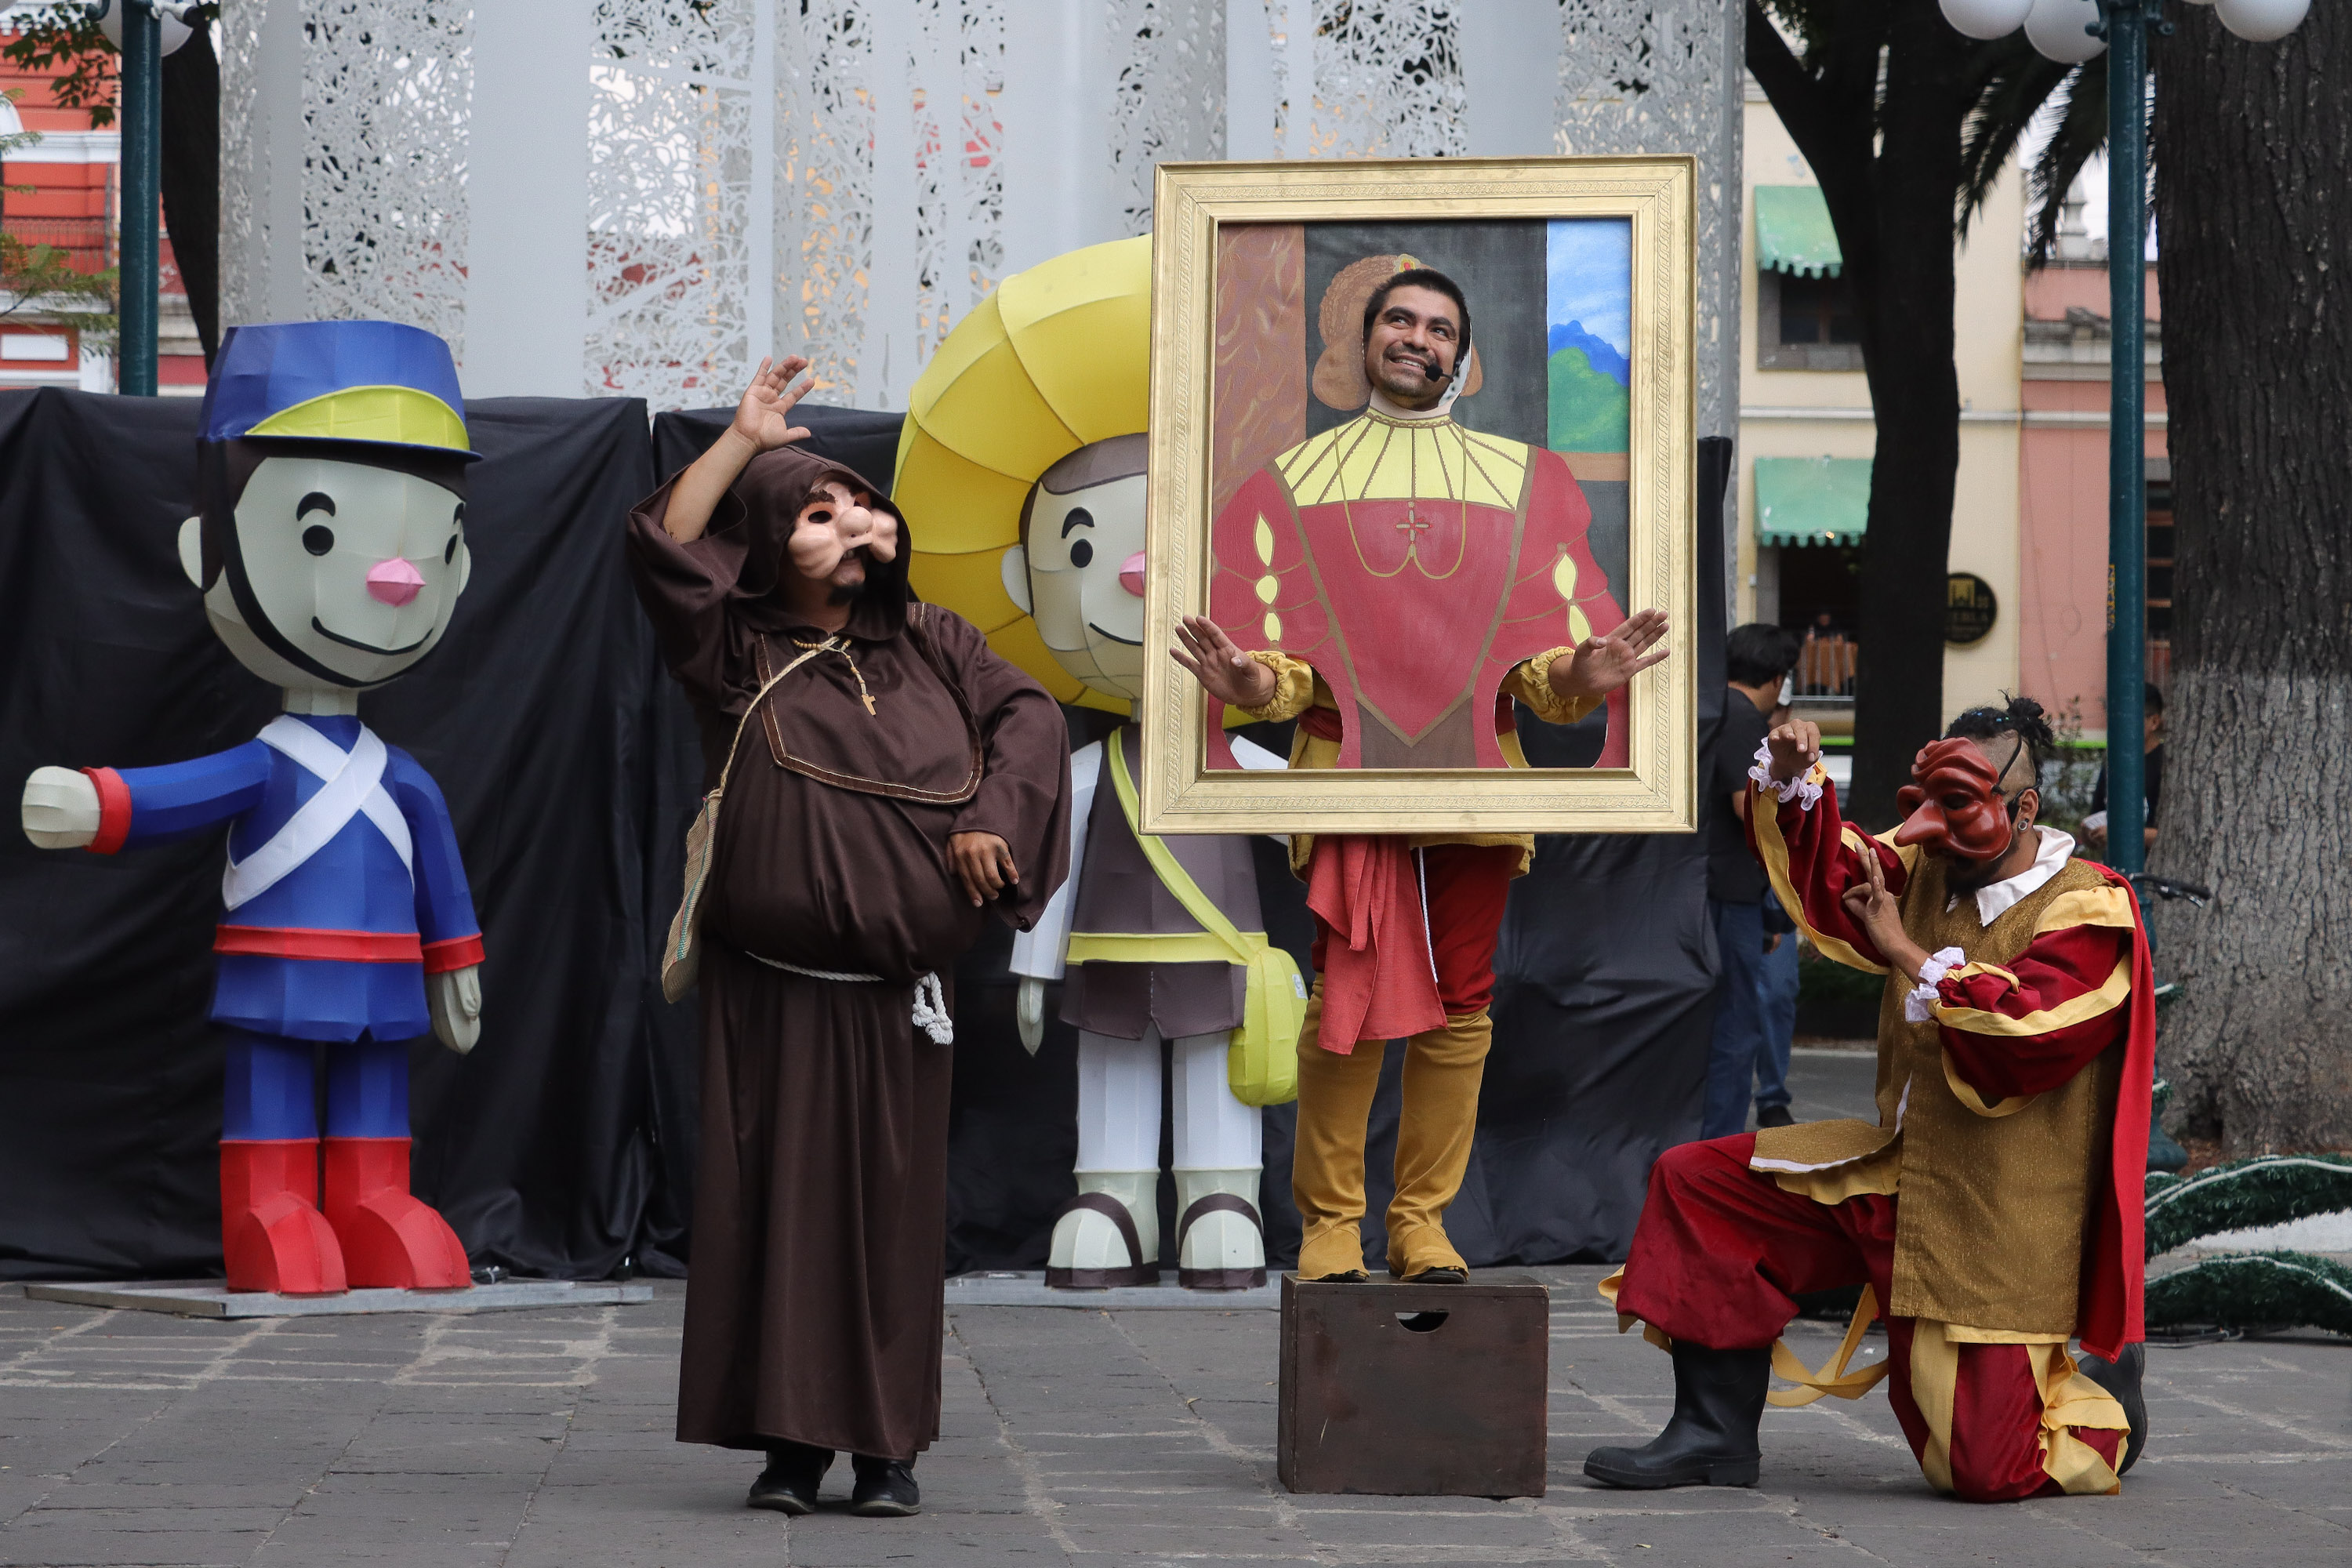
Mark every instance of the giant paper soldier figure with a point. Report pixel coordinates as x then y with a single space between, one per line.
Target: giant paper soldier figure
330 550
1138 967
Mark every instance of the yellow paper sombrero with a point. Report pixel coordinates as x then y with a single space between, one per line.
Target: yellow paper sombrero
1057 357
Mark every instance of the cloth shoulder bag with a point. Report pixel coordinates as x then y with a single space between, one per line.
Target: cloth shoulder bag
1261 1062
682 955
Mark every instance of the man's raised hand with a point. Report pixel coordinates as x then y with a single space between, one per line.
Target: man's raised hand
764 417
1795 746
1224 670
1603 663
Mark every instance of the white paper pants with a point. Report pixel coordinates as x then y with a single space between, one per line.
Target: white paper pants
1118 1105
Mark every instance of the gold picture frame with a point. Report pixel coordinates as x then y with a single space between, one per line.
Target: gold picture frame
1198 210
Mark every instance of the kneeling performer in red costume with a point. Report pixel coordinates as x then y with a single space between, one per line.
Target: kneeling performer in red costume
1994 1211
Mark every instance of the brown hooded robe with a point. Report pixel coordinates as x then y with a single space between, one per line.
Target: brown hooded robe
813 1308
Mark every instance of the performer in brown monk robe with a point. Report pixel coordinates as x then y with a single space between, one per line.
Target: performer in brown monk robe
899 781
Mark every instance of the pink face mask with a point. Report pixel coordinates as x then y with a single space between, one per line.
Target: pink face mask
1953 805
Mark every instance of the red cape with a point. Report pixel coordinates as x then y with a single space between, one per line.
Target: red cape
2115 1256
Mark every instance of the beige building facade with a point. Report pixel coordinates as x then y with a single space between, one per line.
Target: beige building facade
1803 397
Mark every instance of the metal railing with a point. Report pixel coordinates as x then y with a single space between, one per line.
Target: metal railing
87 244
1826 665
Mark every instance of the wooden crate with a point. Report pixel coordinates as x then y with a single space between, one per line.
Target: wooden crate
1415 1390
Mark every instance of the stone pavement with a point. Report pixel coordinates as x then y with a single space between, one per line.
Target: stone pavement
531 1439
542 1439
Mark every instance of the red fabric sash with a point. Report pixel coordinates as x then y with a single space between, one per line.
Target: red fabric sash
1379 980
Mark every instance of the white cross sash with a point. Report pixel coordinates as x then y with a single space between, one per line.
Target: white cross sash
352 785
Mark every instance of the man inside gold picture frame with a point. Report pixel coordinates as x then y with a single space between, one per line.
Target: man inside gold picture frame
1393 584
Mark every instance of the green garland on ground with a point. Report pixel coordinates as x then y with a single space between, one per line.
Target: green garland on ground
2255 1290
2268 1189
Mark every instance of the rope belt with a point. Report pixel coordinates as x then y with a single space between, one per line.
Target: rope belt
930 997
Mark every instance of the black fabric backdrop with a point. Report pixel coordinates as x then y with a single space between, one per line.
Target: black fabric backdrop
564 1145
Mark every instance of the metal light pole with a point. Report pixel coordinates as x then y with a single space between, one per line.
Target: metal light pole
142 127
2126 25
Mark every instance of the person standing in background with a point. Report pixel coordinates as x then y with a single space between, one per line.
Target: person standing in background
1756 658
1781 983
2095 826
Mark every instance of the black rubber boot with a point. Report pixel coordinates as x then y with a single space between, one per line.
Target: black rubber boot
1711 1440
2121 1379
885 1487
789 1483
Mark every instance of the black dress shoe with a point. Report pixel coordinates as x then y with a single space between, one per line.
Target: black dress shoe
1774 1116
1711 1439
885 1487
2121 1379
789 1483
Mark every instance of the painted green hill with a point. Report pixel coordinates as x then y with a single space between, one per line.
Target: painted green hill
1588 407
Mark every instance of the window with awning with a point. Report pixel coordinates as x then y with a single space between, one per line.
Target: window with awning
1812 500
1793 233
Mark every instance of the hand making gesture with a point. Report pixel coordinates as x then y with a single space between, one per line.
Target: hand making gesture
762 422
1795 747
1603 663
1870 906
764 417
1224 670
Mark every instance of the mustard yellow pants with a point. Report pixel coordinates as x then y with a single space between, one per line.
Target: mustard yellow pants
1443 1068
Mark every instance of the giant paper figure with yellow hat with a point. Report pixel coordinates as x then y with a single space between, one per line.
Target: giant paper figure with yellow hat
1025 448
329 550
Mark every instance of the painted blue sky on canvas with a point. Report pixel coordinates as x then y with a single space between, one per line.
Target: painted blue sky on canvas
1589 274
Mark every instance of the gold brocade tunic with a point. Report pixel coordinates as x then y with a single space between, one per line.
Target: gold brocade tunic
1995 1197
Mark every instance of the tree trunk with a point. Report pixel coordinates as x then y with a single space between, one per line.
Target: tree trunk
190 178
1905 290
2255 263
1891 174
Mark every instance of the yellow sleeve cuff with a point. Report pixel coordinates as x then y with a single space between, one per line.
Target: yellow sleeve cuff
1294 687
1531 684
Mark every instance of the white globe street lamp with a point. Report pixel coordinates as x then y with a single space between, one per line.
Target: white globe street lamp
1986 18
2262 21
2061 30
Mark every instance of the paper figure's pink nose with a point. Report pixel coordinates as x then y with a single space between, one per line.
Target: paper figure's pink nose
394 582
1130 574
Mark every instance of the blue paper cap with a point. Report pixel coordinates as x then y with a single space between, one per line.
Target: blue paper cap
377 382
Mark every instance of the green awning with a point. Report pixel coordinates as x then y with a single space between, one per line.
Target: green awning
1793 232
1812 500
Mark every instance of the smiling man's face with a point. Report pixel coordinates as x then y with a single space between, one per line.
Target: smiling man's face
1415 341
356 568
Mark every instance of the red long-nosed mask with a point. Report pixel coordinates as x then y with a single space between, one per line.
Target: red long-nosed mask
1953 805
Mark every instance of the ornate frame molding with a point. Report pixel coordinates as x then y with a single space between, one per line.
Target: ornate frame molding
1658 792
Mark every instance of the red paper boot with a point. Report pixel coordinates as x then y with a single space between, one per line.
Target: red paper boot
389 1237
272 1236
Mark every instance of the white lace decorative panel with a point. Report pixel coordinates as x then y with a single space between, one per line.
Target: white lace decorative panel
1665 77
1168 101
669 177
386 87
237 41
1380 81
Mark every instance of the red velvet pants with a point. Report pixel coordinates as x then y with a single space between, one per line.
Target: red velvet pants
1720 1251
1467 885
